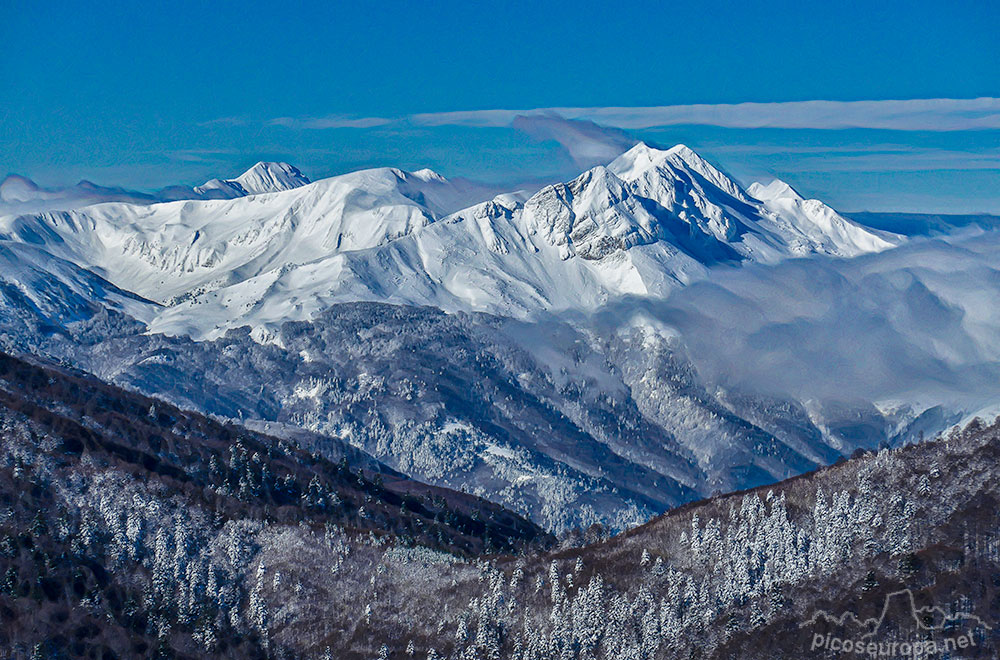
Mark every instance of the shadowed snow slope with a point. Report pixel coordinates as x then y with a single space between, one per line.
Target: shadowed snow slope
51 292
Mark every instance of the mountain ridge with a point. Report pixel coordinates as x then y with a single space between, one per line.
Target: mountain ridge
651 220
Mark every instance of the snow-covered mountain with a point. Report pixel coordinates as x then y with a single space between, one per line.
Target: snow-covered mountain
178 250
818 225
59 291
649 221
261 178
42 297
19 194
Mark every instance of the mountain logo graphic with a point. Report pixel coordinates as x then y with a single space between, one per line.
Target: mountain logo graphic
940 620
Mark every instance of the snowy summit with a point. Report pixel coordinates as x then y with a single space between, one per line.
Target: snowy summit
261 178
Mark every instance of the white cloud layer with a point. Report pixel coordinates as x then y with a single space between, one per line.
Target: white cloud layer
587 143
907 115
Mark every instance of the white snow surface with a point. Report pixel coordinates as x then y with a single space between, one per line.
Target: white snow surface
813 223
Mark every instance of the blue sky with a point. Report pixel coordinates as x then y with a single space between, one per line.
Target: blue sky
149 94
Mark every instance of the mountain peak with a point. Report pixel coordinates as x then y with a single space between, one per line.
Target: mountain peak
642 157
264 177
682 150
271 177
691 158
643 153
678 161
637 160
777 189
272 167
818 226
641 148
17 188
427 174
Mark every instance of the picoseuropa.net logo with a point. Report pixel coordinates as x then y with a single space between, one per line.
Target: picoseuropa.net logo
918 632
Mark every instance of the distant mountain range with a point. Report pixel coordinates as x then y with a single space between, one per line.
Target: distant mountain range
927 224
648 222
19 194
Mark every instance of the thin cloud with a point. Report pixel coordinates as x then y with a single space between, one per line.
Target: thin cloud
908 115
225 121
586 143
197 155
331 121
869 158
928 160
903 115
478 118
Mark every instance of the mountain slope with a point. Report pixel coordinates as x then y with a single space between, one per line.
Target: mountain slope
893 547
570 426
41 295
818 224
453 400
134 529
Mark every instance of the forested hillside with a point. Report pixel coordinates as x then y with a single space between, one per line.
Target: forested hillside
129 528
